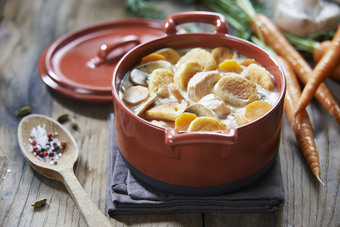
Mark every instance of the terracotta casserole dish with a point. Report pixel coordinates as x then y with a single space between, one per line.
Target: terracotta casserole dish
197 163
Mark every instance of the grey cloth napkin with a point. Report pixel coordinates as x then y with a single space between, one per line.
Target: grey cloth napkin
128 195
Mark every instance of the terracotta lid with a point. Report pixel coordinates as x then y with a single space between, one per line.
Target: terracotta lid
80 64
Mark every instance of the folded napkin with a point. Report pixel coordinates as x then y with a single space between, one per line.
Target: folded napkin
128 195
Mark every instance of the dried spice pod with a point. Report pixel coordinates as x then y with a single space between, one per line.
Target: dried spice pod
74 124
63 118
24 111
39 203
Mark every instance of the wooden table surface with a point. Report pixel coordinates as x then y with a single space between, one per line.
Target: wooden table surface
26 28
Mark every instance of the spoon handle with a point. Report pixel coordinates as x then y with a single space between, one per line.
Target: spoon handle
93 216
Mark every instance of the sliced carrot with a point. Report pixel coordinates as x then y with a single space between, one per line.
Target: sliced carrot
230 65
302 127
252 112
256 110
183 121
273 37
152 57
322 71
247 62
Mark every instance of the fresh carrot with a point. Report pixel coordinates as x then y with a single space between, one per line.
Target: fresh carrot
322 71
313 48
302 127
264 28
319 51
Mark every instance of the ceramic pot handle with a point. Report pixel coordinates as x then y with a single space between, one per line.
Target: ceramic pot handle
227 139
106 49
186 17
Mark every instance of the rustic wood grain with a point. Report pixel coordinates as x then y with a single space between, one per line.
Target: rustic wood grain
26 29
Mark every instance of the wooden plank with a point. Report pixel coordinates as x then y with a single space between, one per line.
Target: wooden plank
243 219
25 31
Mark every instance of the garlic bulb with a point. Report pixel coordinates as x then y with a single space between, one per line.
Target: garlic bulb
305 17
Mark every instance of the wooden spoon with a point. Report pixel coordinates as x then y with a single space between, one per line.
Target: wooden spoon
63 171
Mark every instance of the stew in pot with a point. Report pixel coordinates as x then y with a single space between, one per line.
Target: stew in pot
198 89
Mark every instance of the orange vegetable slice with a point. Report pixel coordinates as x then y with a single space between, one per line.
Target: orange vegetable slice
256 110
230 65
206 124
247 62
152 57
183 121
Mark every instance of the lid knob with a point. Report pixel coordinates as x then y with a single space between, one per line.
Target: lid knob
106 49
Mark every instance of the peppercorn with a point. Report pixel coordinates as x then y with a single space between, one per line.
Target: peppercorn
56 149
51 150
63 144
